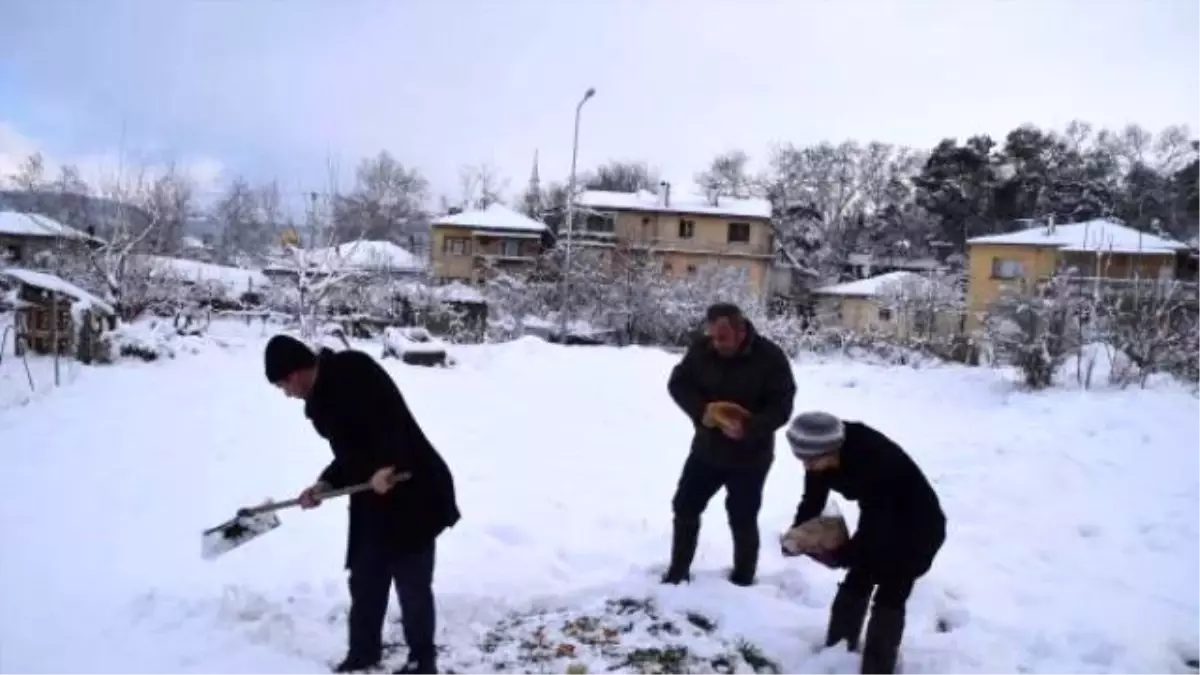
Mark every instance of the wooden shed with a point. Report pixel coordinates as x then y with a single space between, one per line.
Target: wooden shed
54 315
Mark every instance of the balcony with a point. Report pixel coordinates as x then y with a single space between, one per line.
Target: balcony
1099 287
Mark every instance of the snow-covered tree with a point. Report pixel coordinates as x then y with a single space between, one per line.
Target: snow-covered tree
123 276
833 200
387 203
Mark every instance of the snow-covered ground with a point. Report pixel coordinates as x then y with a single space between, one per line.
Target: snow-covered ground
1073 543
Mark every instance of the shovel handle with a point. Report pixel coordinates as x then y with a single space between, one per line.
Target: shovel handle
332 494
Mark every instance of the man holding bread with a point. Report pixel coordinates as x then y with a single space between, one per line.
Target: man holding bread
901 528
736 387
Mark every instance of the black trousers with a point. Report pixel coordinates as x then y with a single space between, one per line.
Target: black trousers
373 571
891 575
699 483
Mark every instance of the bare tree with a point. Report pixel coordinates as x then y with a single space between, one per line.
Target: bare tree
1149 326
727 176
32 173
170 201
387 203
125 277
315 262
621 176
243 231
481 185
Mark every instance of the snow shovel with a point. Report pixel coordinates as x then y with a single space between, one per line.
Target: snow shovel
255 521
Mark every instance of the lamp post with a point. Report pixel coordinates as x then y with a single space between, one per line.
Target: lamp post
566 291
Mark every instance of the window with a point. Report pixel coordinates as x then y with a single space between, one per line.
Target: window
667 267
923 322
1007 269
691 269
12 253
687 228
603 223
455 245
510 248
885 314
739 233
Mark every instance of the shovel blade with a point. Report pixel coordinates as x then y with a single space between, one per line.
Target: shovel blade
231 534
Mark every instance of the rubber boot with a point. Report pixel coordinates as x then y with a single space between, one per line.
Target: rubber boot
683 550
847 615
745 555
884 633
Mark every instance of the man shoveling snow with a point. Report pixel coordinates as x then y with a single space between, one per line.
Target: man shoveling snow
354 404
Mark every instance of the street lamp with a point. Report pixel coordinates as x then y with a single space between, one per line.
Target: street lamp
566 294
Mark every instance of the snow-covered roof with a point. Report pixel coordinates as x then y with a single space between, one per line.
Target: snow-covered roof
644 200
1098 236
879 285
189 241
451 292
234 279
50 282
365 255
458 292
494 217
17 224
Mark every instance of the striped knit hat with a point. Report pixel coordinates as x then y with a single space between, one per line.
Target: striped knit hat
815 433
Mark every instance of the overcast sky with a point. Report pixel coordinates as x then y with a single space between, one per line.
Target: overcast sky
268 88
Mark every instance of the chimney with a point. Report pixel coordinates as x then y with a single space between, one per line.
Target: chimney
1050 224
665 194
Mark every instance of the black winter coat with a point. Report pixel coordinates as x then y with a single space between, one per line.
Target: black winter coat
758 378
355 405
901 524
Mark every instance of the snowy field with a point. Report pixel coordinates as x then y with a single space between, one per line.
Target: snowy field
1073 540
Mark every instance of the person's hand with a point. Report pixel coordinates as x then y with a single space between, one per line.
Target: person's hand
829 559
733 429
310 497
709 419
785 549
381 481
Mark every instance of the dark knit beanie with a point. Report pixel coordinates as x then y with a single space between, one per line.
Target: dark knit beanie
285 355
812 434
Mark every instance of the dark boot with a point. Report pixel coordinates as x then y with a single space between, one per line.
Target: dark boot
354 663
884 633
745 554
847 615
683 551
422 665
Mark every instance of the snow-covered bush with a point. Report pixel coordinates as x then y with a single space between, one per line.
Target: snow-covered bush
1153 325
148 341
1036 329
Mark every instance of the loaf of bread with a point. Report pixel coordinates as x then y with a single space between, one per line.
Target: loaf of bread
817 535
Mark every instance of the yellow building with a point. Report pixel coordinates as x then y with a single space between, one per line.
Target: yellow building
899 304
466 246
1100 251
686 232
